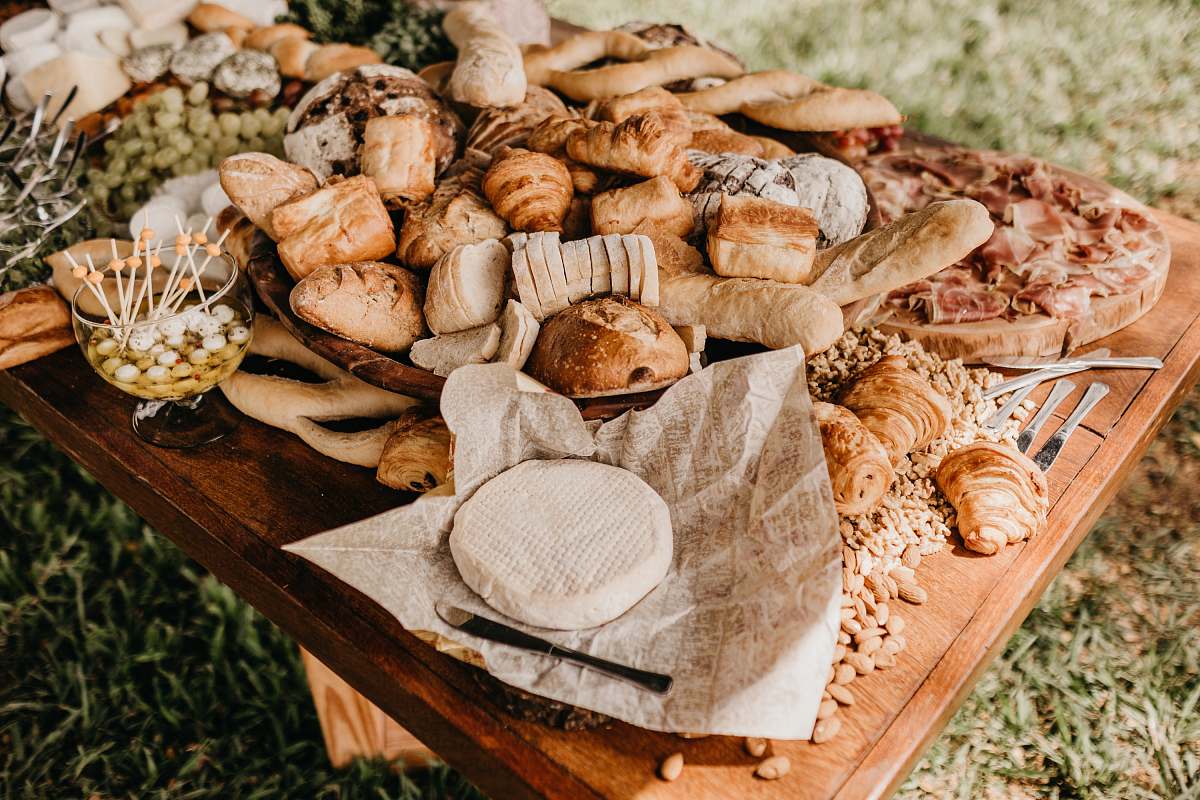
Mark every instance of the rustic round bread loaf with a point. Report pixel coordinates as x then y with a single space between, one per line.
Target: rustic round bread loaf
369 302
325 129
607 346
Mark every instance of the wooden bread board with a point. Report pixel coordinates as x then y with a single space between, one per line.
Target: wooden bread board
1039 334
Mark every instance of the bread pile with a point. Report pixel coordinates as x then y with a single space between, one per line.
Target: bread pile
576 242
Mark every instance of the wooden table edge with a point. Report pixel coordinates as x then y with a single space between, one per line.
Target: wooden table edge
896 752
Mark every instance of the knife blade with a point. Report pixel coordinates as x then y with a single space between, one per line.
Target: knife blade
1057 395
1054 445
494 631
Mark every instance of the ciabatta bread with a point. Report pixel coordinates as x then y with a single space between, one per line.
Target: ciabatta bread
258 182
909 249
398 153
652 206
337 224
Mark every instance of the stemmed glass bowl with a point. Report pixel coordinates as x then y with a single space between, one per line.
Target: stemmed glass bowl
171 362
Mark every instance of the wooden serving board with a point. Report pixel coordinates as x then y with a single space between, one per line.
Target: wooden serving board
1037 334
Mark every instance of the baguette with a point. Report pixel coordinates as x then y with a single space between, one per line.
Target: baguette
909 249
490 71
774 314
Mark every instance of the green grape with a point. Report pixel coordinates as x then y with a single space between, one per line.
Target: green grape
110 145
198 124
256 145
168 119
127 192
198 93
129 209
185 145
214 132
251 126
230 123
100 193
132 147
149 147
117 165
164 158
204 147
263 113
112 180
190 166
282 113
172 98
144 129
94 176
139 175
226 146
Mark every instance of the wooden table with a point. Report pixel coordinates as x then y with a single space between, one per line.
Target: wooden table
232 504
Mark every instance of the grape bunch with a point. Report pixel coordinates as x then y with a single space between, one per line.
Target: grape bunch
174 133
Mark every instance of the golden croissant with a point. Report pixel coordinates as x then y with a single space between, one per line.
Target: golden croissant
999 493
532 191
859 468
639 145
903 410
550 137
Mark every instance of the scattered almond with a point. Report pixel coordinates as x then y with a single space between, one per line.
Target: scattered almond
851 626
884 660
671 767
827 709
895 625
826 729
862 664
903 574
889 646
900 641
839 653
911 557
869 646
774 768
844 673
868 633
843 637
882 614
755 746
840 693
911 593
891 587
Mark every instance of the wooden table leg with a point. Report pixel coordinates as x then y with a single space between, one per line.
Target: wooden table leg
354 727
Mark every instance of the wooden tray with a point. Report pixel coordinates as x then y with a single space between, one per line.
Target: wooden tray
1037 334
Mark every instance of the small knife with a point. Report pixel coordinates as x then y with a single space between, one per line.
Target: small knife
1054 445
1057 395
494 631
1068 367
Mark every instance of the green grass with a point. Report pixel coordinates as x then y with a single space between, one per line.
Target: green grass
128 672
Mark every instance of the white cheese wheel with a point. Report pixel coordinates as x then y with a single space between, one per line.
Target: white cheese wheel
564 544
19 62
82 33
27 29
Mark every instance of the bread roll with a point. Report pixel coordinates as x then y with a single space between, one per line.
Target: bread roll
457 213
652 98
999 493
607 346
903 410
833 192
337 224
330 59
466 287
34 322
909 249
859 469
756 238
292 53
375 304
751 310
532 191
257 183
490 71
399 154
263 38
496 127
416 455
652 206
210 17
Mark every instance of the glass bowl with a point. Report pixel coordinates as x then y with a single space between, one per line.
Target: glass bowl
172 362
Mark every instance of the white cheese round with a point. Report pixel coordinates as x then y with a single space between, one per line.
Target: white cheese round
564 544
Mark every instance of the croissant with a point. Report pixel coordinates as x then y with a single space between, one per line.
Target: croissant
653 98
859 468
999 493
550 137
904 411
416 455
532 191
457 213
639 145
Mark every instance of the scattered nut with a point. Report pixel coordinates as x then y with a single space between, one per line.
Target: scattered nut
839 653
868 633
895 625
862 664
911 556
884 660
890 647
755 746
911 593
882 613
774 767
840 693
671 767
826 729
827 709
844 674
869 646
851 626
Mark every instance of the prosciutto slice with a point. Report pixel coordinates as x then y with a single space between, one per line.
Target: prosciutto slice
1057 243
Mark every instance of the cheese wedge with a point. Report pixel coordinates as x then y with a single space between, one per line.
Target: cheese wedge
564 544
